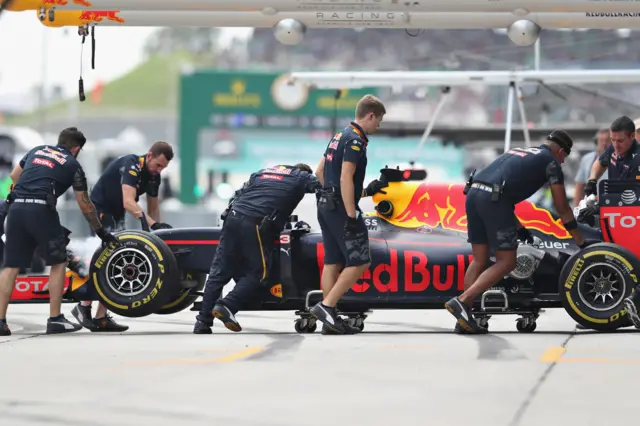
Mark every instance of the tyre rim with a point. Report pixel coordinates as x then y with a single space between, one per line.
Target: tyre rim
129 272
601 287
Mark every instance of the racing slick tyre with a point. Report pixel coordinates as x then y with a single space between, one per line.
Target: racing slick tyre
138 278
595 281
187 295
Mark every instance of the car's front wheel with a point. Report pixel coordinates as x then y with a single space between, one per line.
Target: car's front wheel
594 283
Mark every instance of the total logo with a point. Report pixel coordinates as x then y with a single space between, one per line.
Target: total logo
616 219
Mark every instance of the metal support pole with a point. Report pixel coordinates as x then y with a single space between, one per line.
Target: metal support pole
536 55
509 120
443 98
523 116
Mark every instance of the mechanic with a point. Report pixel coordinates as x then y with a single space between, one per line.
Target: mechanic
622 162
252 224
43 175
345 236
491 198
602 141
117 191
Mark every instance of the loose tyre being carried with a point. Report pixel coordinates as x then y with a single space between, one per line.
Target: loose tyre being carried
138 278
595 281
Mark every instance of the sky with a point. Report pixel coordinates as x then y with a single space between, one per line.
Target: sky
29 50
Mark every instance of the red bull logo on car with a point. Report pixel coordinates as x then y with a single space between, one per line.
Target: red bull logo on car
443 206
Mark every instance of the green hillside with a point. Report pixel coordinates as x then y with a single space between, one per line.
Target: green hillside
150 88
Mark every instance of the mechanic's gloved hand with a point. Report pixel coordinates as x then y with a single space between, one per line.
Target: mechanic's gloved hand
374 187
302 225
591 187
108 238
351 225
161 225
588 215
588 242
525 235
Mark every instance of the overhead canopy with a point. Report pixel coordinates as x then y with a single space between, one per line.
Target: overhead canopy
354 80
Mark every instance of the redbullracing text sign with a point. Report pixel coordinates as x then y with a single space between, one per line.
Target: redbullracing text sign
99 15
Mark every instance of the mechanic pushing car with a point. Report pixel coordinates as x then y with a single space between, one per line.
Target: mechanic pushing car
43 175
621 161
252 223
345 236
117 191
491 198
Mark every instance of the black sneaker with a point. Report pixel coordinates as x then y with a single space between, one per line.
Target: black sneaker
330 319
631 303
480 330
107 324
350 329
4 329
60 325
202 328
82 314
464 316
225 315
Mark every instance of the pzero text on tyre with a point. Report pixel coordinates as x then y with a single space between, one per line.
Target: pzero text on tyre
136 279
186 297
594 283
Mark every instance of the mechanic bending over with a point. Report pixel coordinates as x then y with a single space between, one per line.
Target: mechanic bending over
602 142
345 236
252 224
491 198
621 161
117 191
44 174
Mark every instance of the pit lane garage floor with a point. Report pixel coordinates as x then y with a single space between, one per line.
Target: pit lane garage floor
406 367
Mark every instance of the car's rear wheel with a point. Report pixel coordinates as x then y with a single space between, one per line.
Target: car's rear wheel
138 278
594 283
192 283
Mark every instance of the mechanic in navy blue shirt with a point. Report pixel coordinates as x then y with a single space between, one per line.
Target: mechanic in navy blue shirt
252 223
491 222
345 237
622 162
43 175
621 159
117 191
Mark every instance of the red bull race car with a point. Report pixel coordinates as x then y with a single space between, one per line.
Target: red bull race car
419 255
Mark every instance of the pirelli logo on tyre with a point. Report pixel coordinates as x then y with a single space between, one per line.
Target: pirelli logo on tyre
574 274
104 256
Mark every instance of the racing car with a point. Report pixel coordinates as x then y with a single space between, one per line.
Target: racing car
419 251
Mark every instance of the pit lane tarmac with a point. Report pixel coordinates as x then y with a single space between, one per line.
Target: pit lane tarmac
406 367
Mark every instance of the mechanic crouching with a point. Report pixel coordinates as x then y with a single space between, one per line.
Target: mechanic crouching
117 191
492 224
43 174
252 224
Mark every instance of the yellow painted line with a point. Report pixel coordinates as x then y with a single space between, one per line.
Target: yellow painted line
225 359
552 354
403 347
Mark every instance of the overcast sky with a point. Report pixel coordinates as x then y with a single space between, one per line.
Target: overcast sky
22 43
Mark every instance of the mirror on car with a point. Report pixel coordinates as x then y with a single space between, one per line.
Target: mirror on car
402 175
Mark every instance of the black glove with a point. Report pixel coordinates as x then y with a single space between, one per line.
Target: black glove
588 216
588 242
591 187
351 226
302 225
525 235
108 238
161 225
374 187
